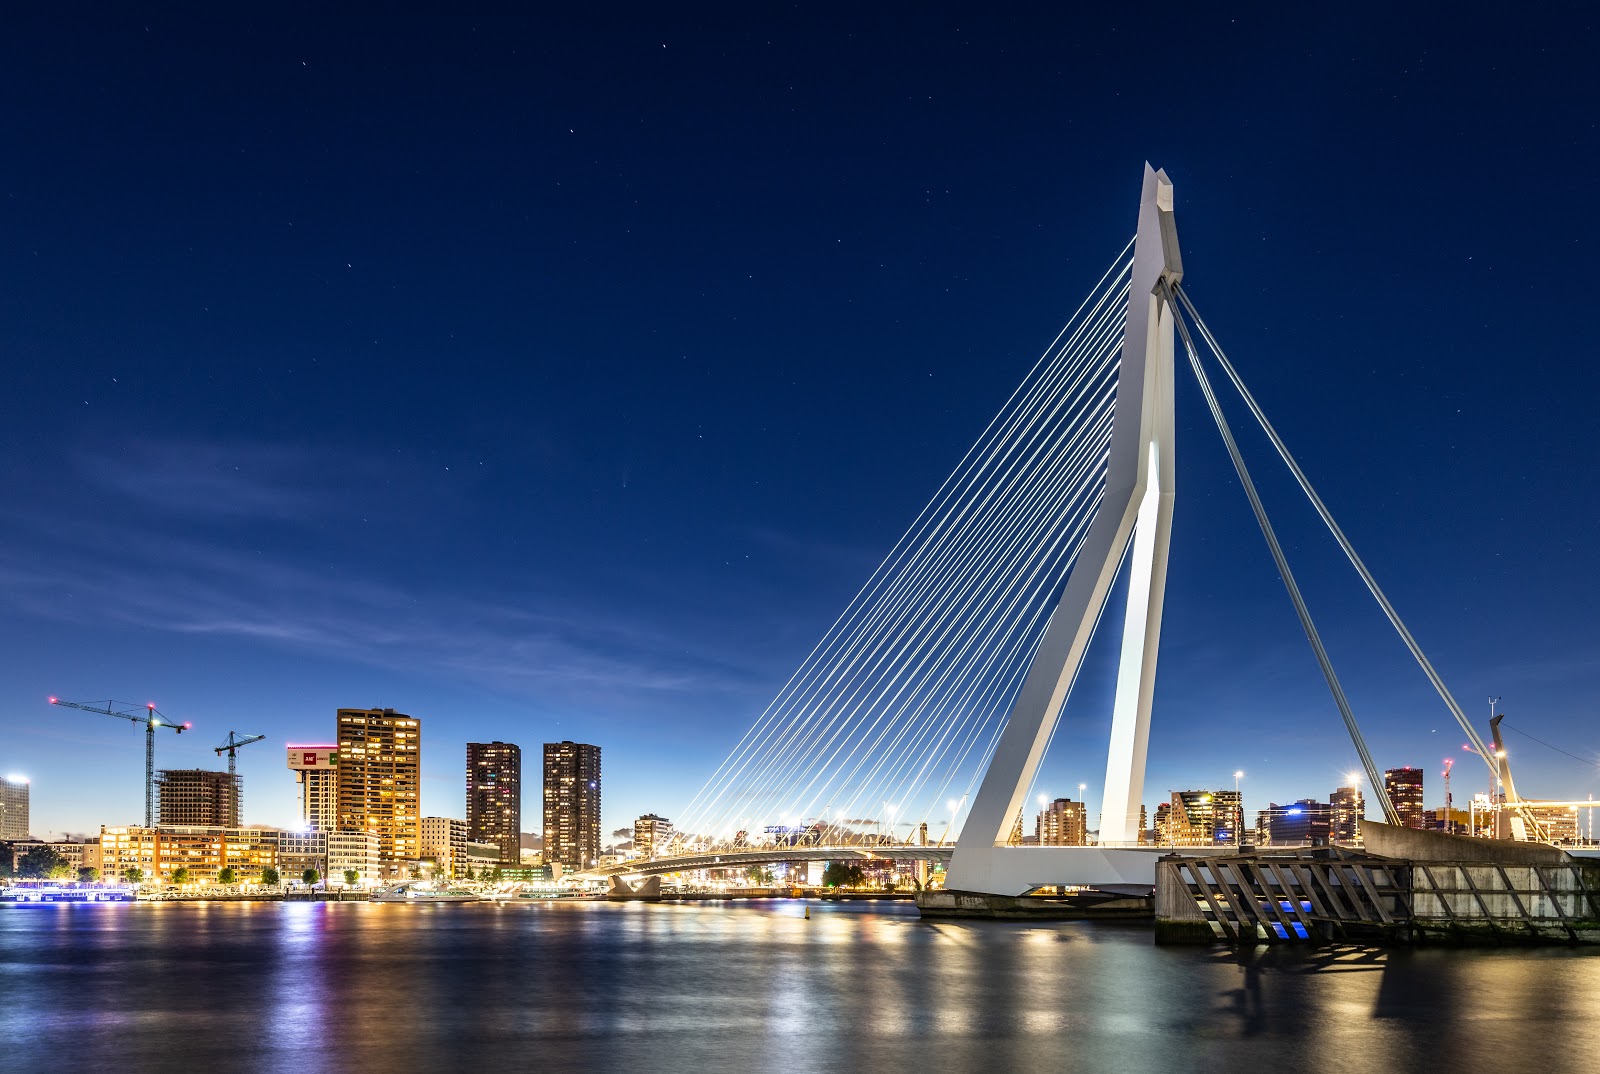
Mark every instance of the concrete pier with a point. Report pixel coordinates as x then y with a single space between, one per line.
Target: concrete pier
1406 887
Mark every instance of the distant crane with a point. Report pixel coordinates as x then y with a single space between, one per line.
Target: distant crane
147 715
230 746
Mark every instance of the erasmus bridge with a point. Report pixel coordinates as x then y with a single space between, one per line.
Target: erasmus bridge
932 699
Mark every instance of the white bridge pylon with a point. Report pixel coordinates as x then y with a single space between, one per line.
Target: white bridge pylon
1137 506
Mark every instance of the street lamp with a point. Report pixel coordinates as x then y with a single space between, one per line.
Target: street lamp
955 805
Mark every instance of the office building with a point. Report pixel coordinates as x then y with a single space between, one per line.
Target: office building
316 769
380 768
494 797
13 808
444 842
357 852
652 836
1404 786
1202 818
1062 823
572 804
75 855
197 798
1305 823
1346 807
1553 824
299 851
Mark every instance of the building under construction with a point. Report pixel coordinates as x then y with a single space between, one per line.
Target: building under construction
198 797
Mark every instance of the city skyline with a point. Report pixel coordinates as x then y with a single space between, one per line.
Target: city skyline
601 446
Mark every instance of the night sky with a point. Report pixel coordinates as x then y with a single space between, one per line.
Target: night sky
550 379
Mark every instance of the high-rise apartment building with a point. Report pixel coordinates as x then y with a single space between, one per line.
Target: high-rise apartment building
1346 807
1404 786
197 797
494 797
652 836
13 808
572 804
1062 823
444 841
380 768
316 769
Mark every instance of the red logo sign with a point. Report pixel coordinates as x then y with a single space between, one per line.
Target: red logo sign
308 758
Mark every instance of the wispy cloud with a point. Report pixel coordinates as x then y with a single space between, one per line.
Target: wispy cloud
192 565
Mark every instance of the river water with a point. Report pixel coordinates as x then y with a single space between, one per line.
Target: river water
311 987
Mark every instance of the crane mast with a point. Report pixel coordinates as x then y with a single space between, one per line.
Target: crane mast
147 716
230 746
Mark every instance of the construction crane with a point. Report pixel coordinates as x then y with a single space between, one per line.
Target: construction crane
147 715
230 746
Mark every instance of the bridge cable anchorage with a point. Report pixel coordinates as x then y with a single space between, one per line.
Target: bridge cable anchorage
1484 753
899 695
756 729
1282 562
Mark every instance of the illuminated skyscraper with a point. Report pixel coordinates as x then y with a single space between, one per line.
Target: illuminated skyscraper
1203 818
1347 807
572 804
13 807
1062 824
494 797
652 835
316 769
380 763
1405 791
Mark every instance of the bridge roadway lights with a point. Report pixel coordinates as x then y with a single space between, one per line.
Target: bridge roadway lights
743 859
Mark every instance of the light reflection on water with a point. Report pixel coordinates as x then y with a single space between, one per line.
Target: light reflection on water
357 986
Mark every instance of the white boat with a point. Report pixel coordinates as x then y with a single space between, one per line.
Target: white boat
416 891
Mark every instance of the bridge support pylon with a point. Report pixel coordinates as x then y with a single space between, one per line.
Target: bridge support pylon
1138 506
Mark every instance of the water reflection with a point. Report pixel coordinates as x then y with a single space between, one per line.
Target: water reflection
353 986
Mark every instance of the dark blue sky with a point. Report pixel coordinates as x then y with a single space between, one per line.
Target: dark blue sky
549 378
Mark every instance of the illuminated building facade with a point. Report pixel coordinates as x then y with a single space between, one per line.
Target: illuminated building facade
356 851
1063 823
380 768
1346 807
203 850
316 769
299 851
652 836
444 842
1306 823
1404 786
197 797
13 808
572 804
1203 818
494 797
1556 824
